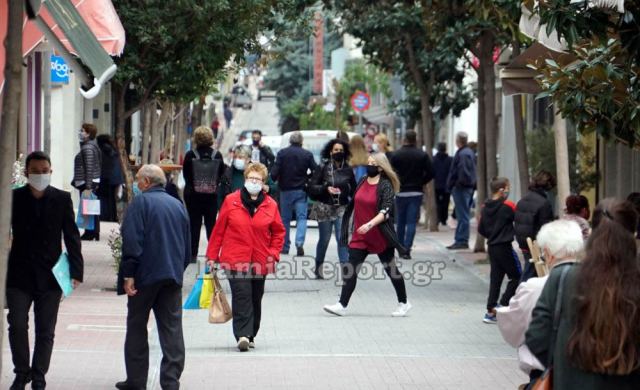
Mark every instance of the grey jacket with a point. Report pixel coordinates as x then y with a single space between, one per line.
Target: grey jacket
87 166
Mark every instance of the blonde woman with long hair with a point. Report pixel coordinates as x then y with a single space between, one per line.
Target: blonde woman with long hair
370 213
359 157
381 145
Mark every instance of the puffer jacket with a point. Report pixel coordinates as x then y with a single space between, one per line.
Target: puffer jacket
87 166
385 205
532 211
327 175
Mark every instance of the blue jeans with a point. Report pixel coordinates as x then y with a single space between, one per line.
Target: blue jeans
324 228
408 209
290 201
462 199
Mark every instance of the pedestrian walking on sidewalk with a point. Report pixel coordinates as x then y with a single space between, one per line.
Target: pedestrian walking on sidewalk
381 145
532 212
259 151
41 216
203 169
359 157
561 243
371 214
441 168
228 115
595 344
461 184
156 249
87 169
246 242
293 168
111 179
496 224
332 186
414 169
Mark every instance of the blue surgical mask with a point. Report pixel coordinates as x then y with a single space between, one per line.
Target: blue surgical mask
239 164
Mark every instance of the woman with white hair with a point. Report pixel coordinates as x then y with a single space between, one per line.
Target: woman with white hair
561 243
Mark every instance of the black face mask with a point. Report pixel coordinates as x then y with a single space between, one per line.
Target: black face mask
338 156
256 142
372 171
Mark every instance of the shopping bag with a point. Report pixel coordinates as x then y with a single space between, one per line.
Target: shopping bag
63 275
90 206
219 311
193 300
86 222
207 291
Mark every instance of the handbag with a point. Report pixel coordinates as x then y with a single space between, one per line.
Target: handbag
545 381
193 300
219 311
91 206
86 222
207 291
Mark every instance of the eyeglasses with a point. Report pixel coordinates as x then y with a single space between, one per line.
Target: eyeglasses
255 179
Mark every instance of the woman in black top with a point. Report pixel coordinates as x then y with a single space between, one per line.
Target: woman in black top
201 199
332 187
110 178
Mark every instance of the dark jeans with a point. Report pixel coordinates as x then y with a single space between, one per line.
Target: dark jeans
246 303
165 299
504 261
442 203
324 230
351 269
408 214
529 268
45 310
462 198
201 206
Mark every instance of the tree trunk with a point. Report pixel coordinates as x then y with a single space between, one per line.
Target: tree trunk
196 115
489 96
8 136
146 132
154 156
481 153
121 121
562 159
521 144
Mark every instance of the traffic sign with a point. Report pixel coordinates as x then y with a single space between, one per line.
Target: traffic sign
360 101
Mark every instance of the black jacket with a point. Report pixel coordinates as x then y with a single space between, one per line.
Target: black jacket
532 211
187 167
266 155
413 167
293 167
496 222
385 204
38 227
327 175
463 169
441 168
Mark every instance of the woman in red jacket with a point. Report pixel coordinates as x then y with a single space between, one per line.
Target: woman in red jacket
246 241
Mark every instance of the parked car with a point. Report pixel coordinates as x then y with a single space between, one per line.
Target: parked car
262 90
313 140
240 97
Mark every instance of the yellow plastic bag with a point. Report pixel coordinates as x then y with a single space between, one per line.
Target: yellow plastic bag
207 291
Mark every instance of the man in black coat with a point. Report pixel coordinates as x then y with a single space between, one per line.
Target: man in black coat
42 215
414 169
441 168
263 153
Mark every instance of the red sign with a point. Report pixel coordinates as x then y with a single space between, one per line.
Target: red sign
360 101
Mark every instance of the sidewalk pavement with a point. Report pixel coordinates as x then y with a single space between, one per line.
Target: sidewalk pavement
442 344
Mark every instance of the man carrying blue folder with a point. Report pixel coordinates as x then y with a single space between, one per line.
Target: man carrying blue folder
42 217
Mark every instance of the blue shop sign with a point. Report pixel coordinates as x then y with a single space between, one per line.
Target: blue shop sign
59 70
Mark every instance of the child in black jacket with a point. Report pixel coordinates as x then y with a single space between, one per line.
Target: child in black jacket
496 225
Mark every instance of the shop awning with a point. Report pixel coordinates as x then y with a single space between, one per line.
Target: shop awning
88 29
379 115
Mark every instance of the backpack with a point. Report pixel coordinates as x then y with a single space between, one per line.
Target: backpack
206 174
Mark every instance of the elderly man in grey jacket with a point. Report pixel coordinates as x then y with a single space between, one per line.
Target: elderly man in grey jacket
156 248
561 243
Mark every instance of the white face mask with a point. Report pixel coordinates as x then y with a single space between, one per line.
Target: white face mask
375 147
39 181
253 188
239 164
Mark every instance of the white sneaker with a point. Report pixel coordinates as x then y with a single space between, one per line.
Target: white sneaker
402 309
243 344
336 309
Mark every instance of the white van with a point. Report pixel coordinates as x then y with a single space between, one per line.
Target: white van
313 140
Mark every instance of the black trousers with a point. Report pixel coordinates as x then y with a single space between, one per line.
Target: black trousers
201 206
45 310
246 303
352 268
504 261
165 299
442 204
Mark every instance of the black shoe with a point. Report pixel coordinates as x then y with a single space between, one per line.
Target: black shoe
90 236
124 385
20 382
300 251
318 273
406 256
458 246
38 386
